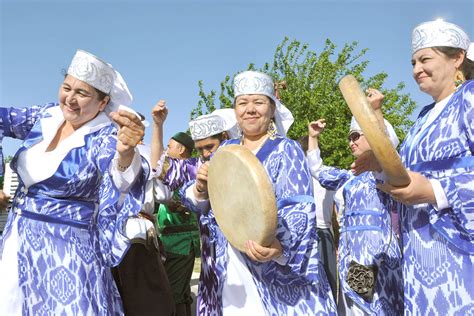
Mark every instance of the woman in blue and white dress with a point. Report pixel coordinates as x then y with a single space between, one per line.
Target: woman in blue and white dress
366 231
437 208
80 179
287 277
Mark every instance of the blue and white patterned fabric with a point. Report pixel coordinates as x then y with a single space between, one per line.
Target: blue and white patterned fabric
70 225
438 245
297 287
366 237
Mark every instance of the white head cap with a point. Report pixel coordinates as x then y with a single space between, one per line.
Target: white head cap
254 82
354 127
221 120
439 33
102 76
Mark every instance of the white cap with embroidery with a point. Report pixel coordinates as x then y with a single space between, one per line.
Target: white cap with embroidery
254 82
219 121
439 33
102 76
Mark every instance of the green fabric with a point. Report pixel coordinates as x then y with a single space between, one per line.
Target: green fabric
179 270
178 229
185 140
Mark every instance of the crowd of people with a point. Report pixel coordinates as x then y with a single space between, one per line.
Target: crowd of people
103 224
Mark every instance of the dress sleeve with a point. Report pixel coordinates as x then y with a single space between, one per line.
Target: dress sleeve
330 178
115 207
17 123
177 172
459 188
296 229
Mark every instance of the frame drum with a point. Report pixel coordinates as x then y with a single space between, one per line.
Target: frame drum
383 150
242 197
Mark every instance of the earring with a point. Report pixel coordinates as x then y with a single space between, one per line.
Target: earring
459 78
272 130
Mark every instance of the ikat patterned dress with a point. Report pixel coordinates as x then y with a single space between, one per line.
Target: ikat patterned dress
69 225
366 236
438 245
297 287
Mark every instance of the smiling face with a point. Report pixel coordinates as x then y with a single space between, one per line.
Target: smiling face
358 143
254 113
79 101
434 72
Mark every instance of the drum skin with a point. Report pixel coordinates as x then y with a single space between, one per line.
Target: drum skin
242 197
379 142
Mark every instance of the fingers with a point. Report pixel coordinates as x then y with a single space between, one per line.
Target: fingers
159 112
201 178
259 253
131 129
316 127
371 92
126 118
256 252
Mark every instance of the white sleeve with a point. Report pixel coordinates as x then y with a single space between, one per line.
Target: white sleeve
441 199
201 205
162 192
314 161
124 179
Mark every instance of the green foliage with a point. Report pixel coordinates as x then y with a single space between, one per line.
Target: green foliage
312 93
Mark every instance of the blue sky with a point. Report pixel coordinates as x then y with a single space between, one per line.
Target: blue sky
163 48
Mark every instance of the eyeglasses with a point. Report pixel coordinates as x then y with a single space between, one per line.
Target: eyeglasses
354 136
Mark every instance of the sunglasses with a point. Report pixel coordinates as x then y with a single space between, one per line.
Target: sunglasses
354 136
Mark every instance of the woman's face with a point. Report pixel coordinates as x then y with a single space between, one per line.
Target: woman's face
434 72
358 143
254 113
79 101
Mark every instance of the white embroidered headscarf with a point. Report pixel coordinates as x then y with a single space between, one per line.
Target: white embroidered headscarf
441 33
254 82
221 120
102 76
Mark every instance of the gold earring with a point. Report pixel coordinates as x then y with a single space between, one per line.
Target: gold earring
272 130
459 78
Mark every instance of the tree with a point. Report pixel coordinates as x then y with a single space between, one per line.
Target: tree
312 93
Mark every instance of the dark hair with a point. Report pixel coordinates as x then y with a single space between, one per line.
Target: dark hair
221 136
101 94
467 66
303 141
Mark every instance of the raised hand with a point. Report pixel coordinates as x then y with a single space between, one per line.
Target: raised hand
159 112
315 128
375 98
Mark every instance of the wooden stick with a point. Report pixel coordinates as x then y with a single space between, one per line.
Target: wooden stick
379 142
